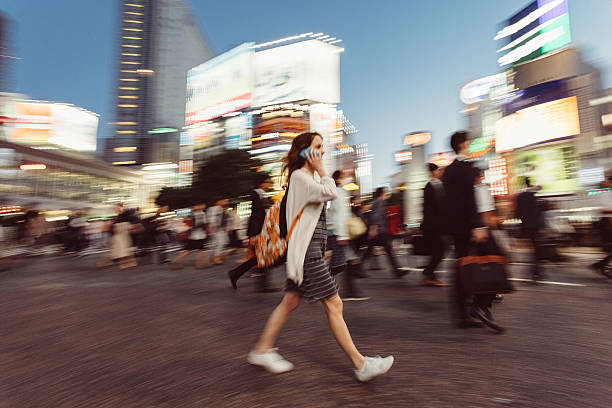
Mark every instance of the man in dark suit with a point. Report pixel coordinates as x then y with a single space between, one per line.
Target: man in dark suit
529 212
434 204
464 224
259 204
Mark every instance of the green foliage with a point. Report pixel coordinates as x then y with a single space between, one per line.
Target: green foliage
231 175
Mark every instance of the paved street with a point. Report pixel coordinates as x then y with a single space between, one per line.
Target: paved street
77 336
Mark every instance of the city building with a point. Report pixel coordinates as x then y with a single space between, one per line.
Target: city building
543 115
7 55
61 180
158 42
258 97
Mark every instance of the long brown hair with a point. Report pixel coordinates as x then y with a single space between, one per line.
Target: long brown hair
293 160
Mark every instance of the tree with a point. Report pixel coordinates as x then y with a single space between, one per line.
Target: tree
231 174
176 197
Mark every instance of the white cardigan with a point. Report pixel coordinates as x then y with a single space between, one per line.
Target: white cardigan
304 192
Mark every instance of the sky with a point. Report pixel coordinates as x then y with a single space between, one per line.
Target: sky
403 66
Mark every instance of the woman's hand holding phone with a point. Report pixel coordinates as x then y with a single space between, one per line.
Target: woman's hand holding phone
315 159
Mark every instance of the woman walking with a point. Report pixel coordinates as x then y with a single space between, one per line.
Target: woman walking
308 274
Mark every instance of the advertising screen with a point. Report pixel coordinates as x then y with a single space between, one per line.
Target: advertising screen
553 169
221 85
305 70
541 27
547 121
54 124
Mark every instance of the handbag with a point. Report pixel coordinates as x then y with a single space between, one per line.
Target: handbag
356 227
484 270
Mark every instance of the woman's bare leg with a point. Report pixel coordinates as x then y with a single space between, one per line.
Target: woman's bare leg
178 262
202 260
276 321
333 309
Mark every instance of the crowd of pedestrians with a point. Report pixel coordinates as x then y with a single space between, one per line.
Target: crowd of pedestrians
334 236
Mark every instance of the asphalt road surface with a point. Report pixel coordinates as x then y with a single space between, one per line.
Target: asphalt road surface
73 335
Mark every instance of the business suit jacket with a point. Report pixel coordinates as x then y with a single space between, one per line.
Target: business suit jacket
258 213
528 211
434 205
461 214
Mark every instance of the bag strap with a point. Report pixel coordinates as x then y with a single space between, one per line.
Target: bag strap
293 224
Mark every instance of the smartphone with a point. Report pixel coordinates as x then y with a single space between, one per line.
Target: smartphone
307 151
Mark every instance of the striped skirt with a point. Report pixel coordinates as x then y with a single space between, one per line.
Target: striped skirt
318 283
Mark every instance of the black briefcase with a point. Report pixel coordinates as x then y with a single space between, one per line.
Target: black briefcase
484 271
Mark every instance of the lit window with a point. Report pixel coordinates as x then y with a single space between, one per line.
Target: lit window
127 106
132 29
132 38
124 162
125 149
132 21
125 132
129 79
129 70
130 54
130 63
128 97
131 46
127 123
134 5
134 13
128 88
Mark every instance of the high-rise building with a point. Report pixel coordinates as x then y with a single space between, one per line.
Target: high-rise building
7 58
159 42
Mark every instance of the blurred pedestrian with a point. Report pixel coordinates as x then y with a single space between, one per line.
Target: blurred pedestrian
259 205
307 271
605 226
464 224
160 234
377 232
343 258
121 240
196 240
432 227
529 211
218 235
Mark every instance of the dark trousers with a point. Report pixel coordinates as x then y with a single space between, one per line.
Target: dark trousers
532 235
437 247
462 242
261 282
383 241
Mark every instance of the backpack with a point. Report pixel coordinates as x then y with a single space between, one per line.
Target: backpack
271 242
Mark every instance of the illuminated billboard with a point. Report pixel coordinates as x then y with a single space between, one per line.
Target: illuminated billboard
535 124
541 27
308 70
54 125
553 169
221 85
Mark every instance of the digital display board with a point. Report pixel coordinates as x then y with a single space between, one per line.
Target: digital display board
54 124
221 85
307 70
540 123
553 169
541 27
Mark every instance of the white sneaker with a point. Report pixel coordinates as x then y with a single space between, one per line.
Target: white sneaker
373 367
271 361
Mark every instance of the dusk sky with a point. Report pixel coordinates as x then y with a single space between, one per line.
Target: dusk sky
404 63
